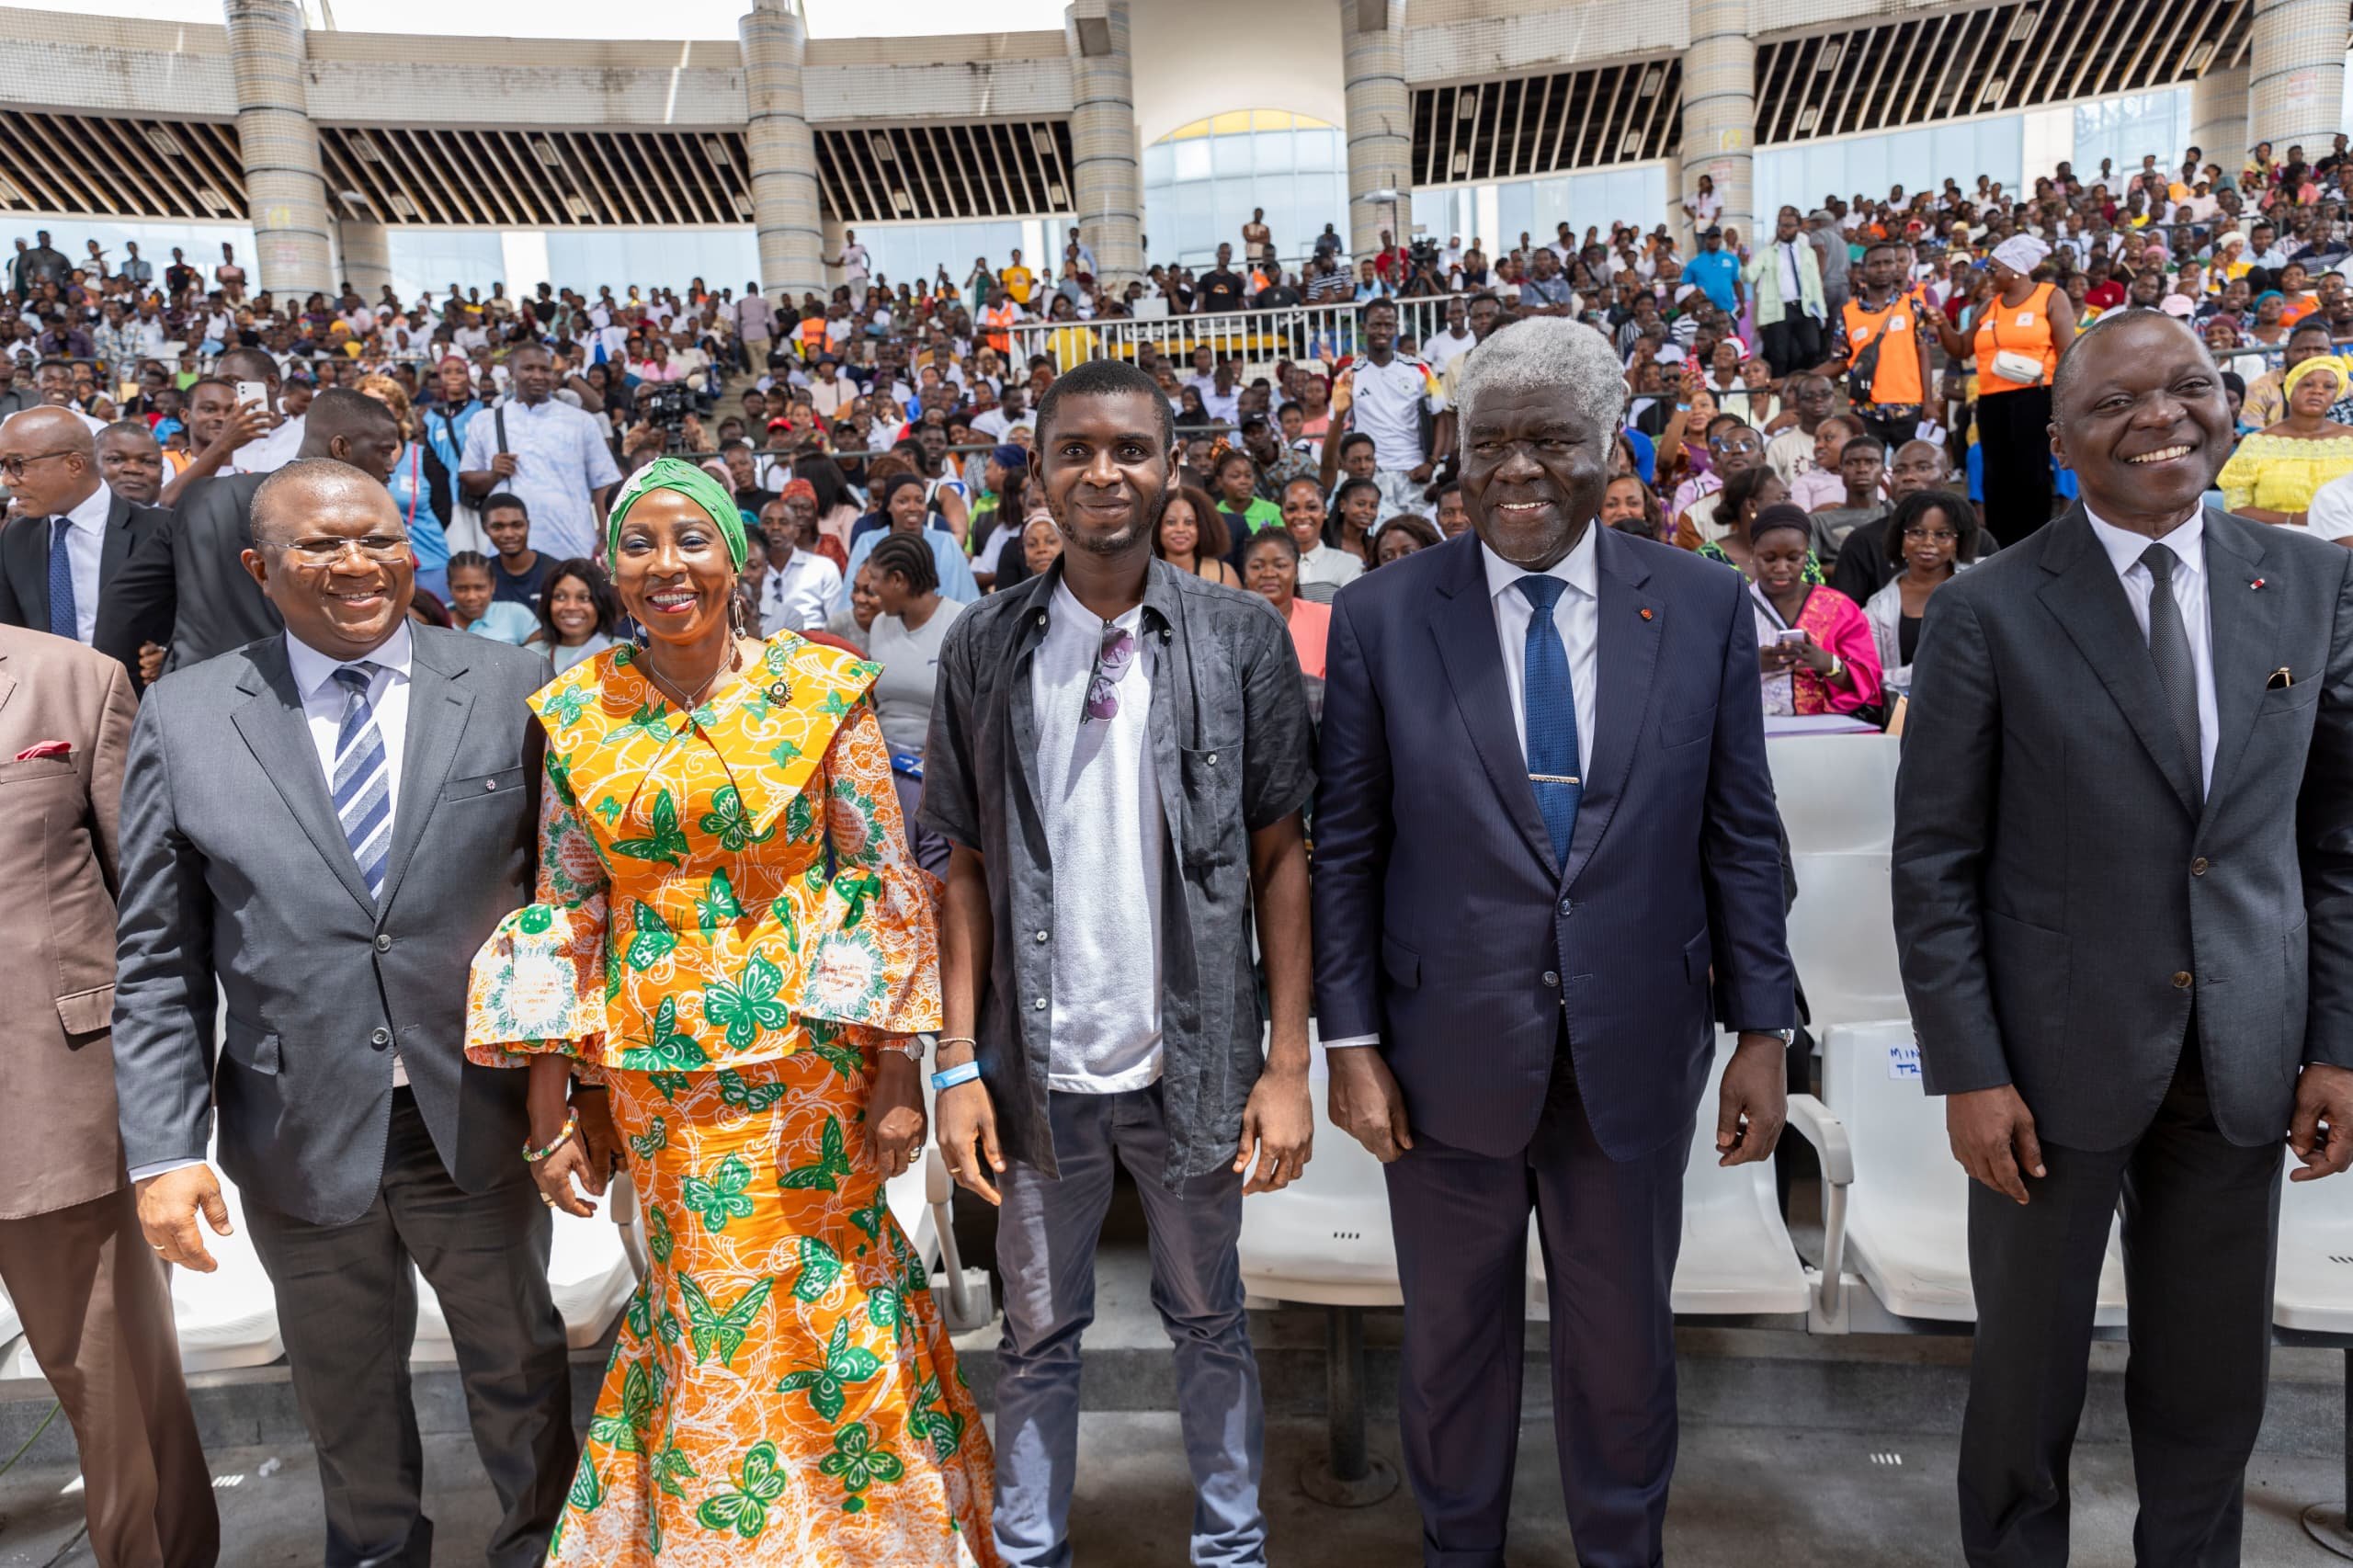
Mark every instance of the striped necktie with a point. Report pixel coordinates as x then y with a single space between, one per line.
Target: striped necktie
361 780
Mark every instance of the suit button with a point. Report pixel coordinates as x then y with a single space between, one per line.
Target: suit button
2182 982
383 944
1568 906
2198 867
1551 978
381 1036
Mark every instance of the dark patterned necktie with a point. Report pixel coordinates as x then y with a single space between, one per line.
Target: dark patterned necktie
2169 650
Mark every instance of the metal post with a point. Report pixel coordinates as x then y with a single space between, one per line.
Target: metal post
1350 1476
2333 1526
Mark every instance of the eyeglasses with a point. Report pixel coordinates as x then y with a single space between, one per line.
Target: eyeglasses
1932 536
327 550
14 466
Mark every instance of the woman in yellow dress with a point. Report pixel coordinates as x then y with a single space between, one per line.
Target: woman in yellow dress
2272 475
731 934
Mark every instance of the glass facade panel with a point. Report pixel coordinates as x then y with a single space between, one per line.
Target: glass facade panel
1202 182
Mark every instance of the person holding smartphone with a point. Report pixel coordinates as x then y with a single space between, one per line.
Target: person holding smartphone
1814 644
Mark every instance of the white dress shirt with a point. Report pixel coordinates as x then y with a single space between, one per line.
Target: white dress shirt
84 544
1576 615
267 454
798 596
2189 577
322 701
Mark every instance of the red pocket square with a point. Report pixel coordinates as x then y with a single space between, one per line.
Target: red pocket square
46 748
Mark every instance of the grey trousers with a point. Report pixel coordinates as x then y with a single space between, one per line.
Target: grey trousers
1046 1236
346 1305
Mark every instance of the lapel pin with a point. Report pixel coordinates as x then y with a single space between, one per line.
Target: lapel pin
781 691
1646 612
2257 583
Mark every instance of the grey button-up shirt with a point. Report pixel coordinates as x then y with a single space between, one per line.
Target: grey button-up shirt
1234 753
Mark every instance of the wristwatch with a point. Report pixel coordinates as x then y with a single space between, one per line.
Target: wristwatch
909 1046
1786 1037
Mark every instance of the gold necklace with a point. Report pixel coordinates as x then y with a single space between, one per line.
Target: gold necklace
734 662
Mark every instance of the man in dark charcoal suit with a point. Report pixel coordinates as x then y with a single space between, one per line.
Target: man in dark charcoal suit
1544 823
2123 883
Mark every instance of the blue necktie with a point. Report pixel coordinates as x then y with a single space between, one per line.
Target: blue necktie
1551 713
62 618
362 782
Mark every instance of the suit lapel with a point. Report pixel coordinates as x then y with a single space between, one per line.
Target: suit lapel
2244 622
274 726
1625 659
437 706
1464 624
26 562
2088 600
7 685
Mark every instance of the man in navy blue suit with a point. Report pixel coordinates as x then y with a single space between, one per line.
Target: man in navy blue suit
1545 827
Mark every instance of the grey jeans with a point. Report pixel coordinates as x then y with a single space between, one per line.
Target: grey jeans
1046 1238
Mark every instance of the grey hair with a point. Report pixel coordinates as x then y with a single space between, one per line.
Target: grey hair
1549 352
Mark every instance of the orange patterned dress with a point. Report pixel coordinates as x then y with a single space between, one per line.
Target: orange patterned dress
727 920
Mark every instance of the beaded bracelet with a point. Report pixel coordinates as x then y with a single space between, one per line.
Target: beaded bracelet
571 1125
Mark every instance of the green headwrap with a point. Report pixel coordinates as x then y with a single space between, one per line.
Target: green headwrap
672 473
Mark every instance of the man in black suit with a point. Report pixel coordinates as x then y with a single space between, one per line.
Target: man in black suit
60 555
188 588
2123 886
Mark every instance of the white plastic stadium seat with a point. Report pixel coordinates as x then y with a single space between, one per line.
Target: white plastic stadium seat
588 1274
1842 938
2314 1289
1736 1257
1907 1214
227 1318
1325 1239
1836 792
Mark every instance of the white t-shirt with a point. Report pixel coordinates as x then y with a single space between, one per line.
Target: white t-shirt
1388 407
1108 840
910 661
1327 563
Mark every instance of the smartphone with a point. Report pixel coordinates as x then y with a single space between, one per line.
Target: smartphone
254 393
1794 634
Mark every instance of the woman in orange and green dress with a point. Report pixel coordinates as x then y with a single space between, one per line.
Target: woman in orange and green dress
731 935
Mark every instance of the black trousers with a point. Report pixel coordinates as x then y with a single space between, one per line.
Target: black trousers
347 1304
1792 344
1610 1232
2014 441
2201 1237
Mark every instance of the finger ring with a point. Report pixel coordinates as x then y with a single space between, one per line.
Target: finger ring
546 1200
159 1251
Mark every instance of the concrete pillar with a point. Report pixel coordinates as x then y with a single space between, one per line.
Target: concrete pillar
781 153
1380 122
2296 74
1720 110
367 257
285 190
2218 117
1107 175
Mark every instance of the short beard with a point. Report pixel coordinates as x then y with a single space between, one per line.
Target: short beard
1124 540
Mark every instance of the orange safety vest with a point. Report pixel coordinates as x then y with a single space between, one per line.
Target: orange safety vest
2018 329
1896 329
998 324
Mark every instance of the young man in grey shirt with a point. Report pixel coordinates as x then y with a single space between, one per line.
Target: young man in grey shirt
1118 756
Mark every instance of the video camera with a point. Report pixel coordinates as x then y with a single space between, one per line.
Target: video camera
666 405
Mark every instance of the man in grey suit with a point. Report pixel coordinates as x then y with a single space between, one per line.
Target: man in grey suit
2123 883
327 824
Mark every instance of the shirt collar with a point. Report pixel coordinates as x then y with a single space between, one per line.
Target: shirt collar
313 669
2125 548
90 517
1577 568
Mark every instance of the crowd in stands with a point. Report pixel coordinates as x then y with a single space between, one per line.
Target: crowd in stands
1829 371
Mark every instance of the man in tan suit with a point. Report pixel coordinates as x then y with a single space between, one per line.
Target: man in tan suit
92 1293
